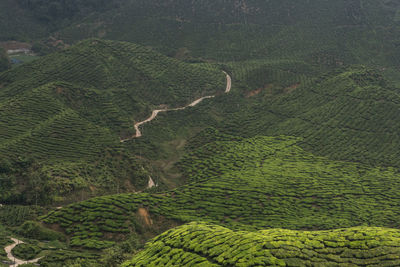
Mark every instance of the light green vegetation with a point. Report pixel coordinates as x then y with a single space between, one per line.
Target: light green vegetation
253 183
201 244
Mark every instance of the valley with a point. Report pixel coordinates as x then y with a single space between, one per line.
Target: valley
194 103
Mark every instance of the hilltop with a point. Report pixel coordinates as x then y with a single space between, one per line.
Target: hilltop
63 115
201 244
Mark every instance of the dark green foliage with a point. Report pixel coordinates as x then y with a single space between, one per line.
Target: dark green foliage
4 241
61 119
211 245
114 219
348 114
61 258
55 10
69 110
119 253
26 251
4 60
326 33
122 69
14 215
31 229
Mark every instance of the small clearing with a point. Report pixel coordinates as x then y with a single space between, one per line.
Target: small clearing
144 214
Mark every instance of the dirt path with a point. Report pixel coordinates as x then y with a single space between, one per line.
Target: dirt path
16 262
228 83
151 183
156 111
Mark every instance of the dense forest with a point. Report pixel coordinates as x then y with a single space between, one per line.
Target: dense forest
4 60
55 10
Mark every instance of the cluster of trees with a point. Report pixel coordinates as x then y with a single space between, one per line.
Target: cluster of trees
53 10
4 60
23 172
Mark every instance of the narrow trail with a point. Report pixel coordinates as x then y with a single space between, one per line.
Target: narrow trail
15 261
156 111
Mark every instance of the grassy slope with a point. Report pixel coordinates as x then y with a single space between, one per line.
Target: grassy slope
201 244
68 110
249 184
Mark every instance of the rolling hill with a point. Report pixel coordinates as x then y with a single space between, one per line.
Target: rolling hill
322 32
201 244
248 184
349 114
62 117
297 166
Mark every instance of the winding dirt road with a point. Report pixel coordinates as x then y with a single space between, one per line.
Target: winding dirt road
156 111
15 261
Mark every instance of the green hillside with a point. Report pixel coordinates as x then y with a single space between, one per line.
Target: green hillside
27 20
322 32
201 244
348 114
261 182
298 165
333 32
63 115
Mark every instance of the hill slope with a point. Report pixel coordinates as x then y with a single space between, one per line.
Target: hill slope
357 31
340 31
349 114
63 115
245 184
200 244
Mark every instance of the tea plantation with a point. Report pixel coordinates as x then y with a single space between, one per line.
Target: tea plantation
348 114
62 117
256 183
201 244
297 166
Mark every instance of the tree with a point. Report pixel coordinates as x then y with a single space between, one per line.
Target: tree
38 189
